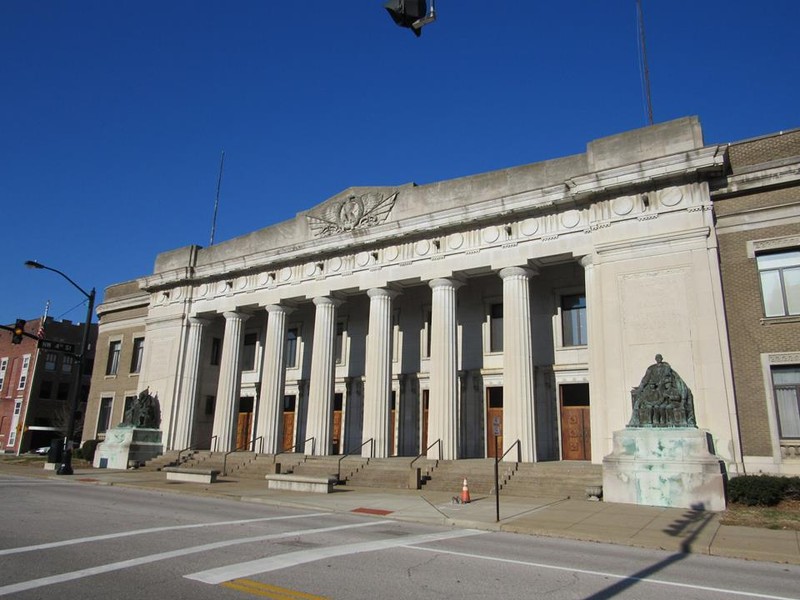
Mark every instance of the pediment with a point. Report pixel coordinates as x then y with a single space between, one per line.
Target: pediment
355 208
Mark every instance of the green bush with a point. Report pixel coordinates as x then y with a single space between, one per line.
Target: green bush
763 490
88 449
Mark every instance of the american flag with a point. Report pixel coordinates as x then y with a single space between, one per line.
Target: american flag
40 332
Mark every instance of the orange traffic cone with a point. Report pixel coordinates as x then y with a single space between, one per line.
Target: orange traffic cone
465 493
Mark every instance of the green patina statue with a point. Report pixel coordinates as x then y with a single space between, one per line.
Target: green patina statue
143 412
662 399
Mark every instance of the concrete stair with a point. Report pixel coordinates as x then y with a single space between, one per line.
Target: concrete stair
558 478
390 473
479 472
323 466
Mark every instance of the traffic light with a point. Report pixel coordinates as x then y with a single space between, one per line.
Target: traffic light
406 13
19 330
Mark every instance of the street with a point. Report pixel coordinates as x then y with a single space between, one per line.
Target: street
66 539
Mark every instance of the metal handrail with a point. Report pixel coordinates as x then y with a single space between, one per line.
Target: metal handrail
178 460
214 440
253 445
518 444
370 441
439 441
225 458
312 439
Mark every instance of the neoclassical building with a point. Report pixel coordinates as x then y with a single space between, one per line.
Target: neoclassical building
516 306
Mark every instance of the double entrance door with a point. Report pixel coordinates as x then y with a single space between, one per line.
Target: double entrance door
576 433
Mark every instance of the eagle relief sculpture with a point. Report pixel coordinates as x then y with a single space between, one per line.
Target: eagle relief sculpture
662 399
354 212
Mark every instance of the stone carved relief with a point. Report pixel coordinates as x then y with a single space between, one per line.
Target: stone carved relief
355 212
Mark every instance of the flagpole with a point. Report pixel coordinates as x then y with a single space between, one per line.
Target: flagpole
41 332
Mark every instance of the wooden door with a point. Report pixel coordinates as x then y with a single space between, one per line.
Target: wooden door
336 432
288 422
576 435
244 423
494 421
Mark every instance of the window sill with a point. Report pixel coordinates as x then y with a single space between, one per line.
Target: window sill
780 320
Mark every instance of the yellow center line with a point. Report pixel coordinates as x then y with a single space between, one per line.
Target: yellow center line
269 591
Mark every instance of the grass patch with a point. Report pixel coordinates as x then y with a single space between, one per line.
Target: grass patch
786 515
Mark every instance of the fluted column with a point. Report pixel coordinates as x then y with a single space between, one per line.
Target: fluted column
598 419
443 405
519 422
320 394
273 376
378 385
228 388
184 420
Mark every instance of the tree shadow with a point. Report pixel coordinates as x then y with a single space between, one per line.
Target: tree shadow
696 516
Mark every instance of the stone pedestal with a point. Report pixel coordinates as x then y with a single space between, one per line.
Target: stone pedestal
127 446
671 467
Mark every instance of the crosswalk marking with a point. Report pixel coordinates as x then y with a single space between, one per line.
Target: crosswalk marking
269 591
292 559
143 560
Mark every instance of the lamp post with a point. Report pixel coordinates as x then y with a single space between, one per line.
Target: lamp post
66 459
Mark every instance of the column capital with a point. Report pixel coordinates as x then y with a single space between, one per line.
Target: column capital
199 321
279 308
326 300
526 272
232 315
587 261
382 292
445 282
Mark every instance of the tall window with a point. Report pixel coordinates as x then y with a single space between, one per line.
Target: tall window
45 389
338 344
104 415
216 351
67 363
50 360
496 328
63 391
3 367
249 351
780 282
23 376
426 332
786 384
138 353
112 366
129 400
573 320
291 347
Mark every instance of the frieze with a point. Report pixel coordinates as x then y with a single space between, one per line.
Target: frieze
354 212
784 358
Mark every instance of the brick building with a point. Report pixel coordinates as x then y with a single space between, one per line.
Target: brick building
757 208
35 383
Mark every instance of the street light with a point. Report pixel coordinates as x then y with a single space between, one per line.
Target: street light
66 459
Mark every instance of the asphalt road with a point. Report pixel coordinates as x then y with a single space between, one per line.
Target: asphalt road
65 540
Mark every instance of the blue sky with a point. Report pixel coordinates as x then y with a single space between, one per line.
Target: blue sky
114 114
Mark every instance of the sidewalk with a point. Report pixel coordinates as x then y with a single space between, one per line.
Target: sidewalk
670 529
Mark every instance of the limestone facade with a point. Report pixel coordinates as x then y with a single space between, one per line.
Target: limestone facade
428 319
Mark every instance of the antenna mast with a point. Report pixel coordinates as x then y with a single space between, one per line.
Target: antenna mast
644 61
216 201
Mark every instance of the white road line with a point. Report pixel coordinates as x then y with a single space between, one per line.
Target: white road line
143 560
121 534
292 559
603 574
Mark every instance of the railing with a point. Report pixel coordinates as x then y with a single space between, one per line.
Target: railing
178 460
313 441
253 445
370 441
439 441
225 458
518 444
214 440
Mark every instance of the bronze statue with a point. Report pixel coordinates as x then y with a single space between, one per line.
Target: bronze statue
143 412
662 399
